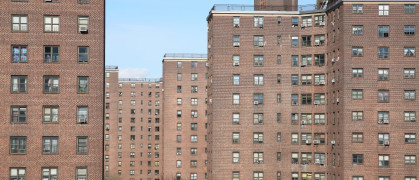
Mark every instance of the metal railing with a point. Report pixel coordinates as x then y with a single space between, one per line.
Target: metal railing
111 67
243 7
141 79
185 55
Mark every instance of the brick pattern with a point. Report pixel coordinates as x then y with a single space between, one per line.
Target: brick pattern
68 99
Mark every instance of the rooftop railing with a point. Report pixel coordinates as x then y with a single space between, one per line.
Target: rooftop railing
111 67
141 79
243 7
185 55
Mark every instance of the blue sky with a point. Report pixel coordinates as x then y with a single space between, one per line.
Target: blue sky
140 32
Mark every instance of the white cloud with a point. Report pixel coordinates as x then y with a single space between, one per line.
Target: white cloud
133 73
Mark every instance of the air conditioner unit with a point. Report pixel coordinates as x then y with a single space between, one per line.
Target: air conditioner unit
178 153
303 64
294 25
48 0
303 26
260 121
236 63
236 25
337 100
322 23
317 42
322 83
261 44
195 115
412 118
337 59
303 122
260 25
83 30
316 102
316 161
316 142
333 59
82 120
333 80
308 142
385 121
386 143
236 44
333 142
255 102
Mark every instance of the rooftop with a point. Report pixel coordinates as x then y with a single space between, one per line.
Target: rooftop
185 56
111 67
245 7
148 80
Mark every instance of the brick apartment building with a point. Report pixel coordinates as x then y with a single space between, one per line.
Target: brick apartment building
51 71
133 127
185 116
313 94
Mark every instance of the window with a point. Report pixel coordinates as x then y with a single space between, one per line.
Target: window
319 59
294 138
383 160
294 99
236 60
383 31
409 94
19 53
179 113
19 84
50 145
236 118
294 159
319 79
179 89
306 138
409 8
236 79
357 51
306 99
383 96
194 176
278 137
258 21
409 30
258 158
357 159
83 54
83 82
319 20
357 137
81 173
236 157
294 22
410 116
357 177
50 114
236 21
357 72
320 137
294 118
258 41
236 175
278 40
18 145
306 41
357 115
357 30
194 89
51 23
51 84
82 147
410 138
258 138
278 98
236 98
383 117
257 98
194 77
257 118
82 114
236 138
319 40
409 51
357 94
306 80
20 23
18 114
51 54
383 74
294 41
383 52
258 60
236 41
383 139
410 178
194 101
258 79
83 24
194 139
319 99
17 173
179 64
383 178
294 61
410 159
357 9
319 119
257 175
307 21
383 9
49 173
306 60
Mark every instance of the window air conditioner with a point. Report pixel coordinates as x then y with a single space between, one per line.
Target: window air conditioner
333 59
317 161
48 0
322 23
317 42
236 63
236 44
303 26
83 30
236 25
412 118
303 122
316 142
322 83
82 120
255 102
261 44
316 102
337 59
337 100
303 64
308 142
386 143
333 142
333 80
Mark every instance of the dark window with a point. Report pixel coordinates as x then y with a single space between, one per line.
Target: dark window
19 53
50 145
18 114
82 146
83 54
18 145
51 54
